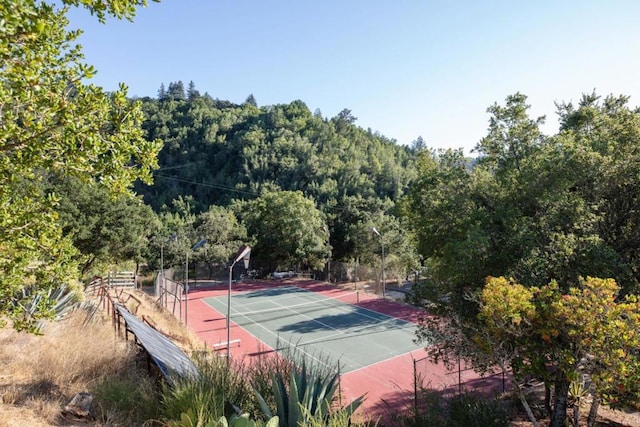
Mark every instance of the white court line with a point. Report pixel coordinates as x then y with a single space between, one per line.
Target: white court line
340 306
300 293
324 338
298 345
389 318
278 337
304 294
291 300
339 332
258 303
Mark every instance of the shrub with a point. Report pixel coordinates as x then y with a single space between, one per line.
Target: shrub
470 410
464 410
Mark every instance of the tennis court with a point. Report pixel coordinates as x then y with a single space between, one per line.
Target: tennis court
323 328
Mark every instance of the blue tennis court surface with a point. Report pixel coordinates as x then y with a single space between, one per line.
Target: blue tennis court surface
323 328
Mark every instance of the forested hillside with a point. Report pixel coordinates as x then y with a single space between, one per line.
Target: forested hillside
216 152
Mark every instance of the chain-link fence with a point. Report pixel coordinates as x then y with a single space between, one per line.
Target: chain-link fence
461 379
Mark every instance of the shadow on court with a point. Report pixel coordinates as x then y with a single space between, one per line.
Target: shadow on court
354 322
348 334
270 292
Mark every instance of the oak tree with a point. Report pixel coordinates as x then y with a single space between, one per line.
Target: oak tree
52 120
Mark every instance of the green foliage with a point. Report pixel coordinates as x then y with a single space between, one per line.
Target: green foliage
53 303
188 419
467 409
106 229
533 207
203 397
224 235
126 399
116 8
216 151
552 335
54 123
290 231
306 395
340 417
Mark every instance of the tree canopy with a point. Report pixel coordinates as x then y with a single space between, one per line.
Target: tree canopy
219 152
53 122
534 207
543 212
291 233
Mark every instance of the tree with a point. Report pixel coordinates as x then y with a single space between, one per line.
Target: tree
606 333
533 207
251 100
346 116
418 144
550 334
176 91
217 152
512 137
192 92
540 209
289 230
224 235
104 228
54 122
553 334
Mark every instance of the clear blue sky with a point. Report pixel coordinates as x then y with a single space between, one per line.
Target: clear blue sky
405 68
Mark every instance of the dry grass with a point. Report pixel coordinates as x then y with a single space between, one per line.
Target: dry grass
163 321
40 374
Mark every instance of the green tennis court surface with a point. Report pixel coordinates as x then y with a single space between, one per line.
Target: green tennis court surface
323 328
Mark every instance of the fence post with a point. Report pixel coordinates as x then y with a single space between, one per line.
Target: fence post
339 385
415 388
459 377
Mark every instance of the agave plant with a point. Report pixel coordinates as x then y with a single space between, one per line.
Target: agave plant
307 395
190 419
57 302
244 421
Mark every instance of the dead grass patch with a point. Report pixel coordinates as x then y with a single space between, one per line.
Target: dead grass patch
40 374
166 322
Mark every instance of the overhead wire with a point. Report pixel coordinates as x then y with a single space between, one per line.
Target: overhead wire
231 189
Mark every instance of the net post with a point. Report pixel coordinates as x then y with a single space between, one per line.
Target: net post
357 297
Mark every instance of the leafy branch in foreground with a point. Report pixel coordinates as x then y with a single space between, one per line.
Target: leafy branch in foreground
54 123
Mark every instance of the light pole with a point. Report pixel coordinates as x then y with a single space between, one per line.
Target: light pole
163 289
381 244
243 253
199 244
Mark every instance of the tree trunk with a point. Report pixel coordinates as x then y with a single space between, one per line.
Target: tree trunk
560 401
576 413
593 411
87 265
523 400
547 398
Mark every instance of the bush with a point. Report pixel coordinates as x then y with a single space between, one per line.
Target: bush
464 410
470 410
205 395
125 399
